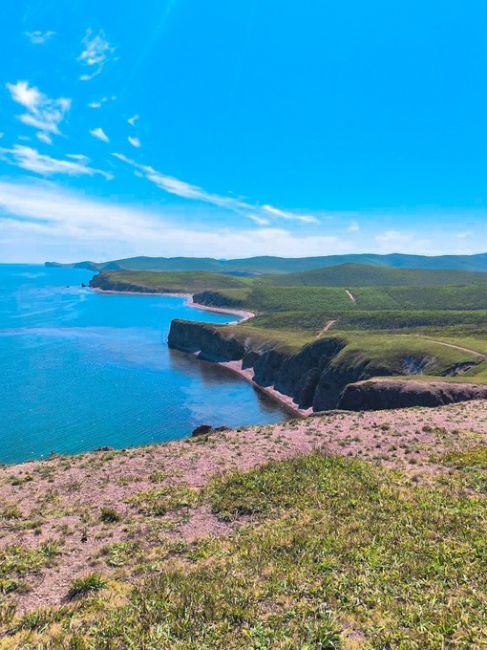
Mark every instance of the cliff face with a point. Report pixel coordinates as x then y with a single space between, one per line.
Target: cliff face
107 283
209 343
296 375
317 377
309 376
216 299
377 395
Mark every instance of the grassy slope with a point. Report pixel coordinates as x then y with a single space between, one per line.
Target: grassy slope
334 553
386 325
389 351
361 275
184 281
263 297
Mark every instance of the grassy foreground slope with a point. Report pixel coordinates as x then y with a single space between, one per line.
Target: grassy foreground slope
358 531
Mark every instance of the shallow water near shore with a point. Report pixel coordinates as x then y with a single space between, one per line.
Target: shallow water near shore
81 370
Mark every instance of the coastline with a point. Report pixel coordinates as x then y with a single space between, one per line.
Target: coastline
284 400
241 313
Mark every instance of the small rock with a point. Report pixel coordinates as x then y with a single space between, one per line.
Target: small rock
202 430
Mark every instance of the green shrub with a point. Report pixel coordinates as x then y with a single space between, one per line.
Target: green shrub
109 516
83 586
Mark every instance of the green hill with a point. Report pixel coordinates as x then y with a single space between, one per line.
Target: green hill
361 275
157 282
270 264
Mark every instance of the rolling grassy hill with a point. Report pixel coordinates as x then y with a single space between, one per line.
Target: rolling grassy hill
169 282
269 264
387 319
362 275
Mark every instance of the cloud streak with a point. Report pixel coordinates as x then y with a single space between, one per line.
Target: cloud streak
135 142
97 51
61 221
100 134
259 214
39 38
31 160
42 113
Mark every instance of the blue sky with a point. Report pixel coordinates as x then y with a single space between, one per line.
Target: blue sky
228 129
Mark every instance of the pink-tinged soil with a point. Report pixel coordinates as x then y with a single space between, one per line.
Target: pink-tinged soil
60 500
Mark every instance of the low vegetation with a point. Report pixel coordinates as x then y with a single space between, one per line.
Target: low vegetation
155 282
399 321
86 585
333 553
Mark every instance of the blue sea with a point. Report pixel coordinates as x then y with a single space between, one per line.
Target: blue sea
81 370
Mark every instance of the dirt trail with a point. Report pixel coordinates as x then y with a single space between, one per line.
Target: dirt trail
351 296
328 325
459 347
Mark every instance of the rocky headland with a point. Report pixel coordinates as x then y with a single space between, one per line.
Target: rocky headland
316 378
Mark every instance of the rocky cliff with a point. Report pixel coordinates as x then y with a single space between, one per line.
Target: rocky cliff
110 283
207 341
378 395
317 376
217 299
312 376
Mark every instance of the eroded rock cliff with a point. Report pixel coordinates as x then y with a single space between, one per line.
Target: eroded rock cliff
318 376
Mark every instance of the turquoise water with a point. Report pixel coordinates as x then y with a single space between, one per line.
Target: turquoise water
80 370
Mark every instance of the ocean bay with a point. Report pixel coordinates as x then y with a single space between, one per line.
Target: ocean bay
81 369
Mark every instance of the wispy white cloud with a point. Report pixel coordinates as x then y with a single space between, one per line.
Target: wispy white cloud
78 156
39 38
285 214
260 221
354 227
99 103
395 241
395 237
96 52
69 226
135 142
30 159
181 188
44 137
132 120
42 113
100 134
194 192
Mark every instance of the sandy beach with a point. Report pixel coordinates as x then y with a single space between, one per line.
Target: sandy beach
242 314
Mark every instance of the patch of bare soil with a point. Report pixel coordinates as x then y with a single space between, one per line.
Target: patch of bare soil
62 500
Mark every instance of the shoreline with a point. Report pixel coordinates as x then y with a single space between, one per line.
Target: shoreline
284 401
241 313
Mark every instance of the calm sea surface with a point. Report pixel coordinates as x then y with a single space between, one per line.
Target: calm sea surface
80 370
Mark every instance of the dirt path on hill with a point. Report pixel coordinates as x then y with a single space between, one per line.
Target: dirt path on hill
328 325
351 296
459 347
